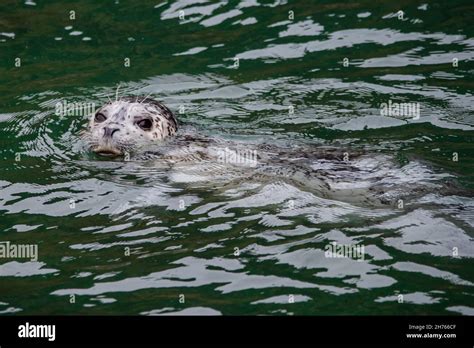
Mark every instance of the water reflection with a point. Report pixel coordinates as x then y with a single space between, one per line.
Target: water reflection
130 237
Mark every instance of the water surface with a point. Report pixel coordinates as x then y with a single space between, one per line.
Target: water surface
128 238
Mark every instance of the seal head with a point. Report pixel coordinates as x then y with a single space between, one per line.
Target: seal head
122 126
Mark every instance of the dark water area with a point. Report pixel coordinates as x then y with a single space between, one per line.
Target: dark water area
129 237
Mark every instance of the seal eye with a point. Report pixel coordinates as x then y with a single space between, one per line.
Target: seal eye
145 124
100 117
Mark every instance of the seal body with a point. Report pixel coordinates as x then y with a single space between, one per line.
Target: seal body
139 126
121 126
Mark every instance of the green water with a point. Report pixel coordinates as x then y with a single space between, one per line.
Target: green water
86 213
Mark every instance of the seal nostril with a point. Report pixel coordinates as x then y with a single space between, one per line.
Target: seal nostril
109 132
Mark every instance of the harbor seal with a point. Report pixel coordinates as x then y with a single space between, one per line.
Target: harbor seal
139 125
124 125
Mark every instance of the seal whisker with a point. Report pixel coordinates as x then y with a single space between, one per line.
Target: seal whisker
146 97
116 92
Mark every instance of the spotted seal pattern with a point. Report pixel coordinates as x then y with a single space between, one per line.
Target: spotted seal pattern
123 125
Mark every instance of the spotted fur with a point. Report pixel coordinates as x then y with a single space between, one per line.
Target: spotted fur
116 131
